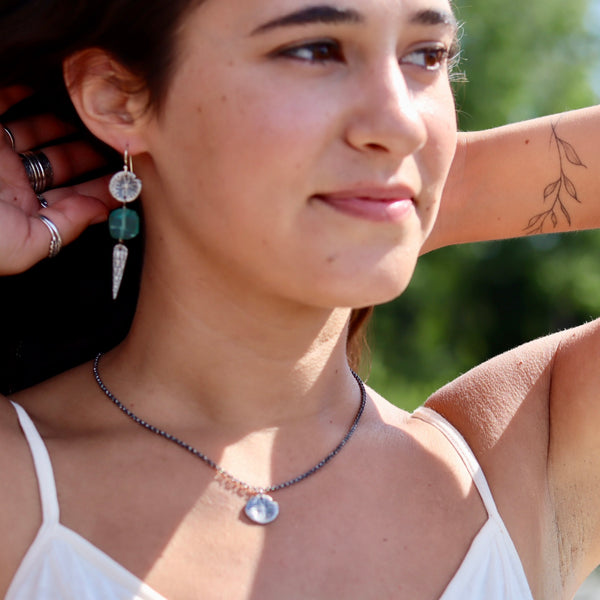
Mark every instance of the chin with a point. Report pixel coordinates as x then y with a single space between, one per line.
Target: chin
370 287
384 293
389 279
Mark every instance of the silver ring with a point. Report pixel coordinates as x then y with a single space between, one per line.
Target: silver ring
55 239
43 202
39 170
9 136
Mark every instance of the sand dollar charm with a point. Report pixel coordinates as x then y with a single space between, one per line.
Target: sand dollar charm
262 509
125 186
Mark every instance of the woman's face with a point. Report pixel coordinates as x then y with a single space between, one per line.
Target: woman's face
302 147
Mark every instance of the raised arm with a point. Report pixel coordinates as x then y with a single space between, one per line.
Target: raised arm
533 414
538 176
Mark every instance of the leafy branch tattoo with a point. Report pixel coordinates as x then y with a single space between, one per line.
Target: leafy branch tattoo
560 190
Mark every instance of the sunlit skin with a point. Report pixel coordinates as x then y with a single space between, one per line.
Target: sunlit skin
295 166
271 135
265 134
293 171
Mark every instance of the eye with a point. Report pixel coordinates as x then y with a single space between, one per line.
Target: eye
430 59
315 52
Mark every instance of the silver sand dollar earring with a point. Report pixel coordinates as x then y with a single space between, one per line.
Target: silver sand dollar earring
123 223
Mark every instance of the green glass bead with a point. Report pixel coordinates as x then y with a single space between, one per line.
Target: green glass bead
123 224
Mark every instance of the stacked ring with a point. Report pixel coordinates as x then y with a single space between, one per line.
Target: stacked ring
55 239
9 136
39 170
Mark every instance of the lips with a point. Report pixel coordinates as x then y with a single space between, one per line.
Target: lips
383 205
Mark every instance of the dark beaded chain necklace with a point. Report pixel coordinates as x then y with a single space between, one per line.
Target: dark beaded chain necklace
260 507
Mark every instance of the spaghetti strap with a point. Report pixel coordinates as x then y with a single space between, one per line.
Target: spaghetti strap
43 466
464 451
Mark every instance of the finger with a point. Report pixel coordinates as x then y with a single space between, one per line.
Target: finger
71 160
9 96
74 213
37 130
96 188
15 188
71 216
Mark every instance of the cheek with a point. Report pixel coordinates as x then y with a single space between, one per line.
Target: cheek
439 112
435 159
439 115
229 162
248 157
235 136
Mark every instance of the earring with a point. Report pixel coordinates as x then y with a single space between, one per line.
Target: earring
123 223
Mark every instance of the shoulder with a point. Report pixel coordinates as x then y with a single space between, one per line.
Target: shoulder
501 409
418 455
526 385
495 400
20 503
15 456
20 511
532 417
538 402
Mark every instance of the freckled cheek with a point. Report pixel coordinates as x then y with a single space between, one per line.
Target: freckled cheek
273 147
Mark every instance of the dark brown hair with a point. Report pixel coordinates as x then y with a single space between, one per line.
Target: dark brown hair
357 345
37 35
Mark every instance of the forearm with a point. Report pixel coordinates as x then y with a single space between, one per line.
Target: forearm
538 176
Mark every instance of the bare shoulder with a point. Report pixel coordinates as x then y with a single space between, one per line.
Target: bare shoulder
412 444
20 514
501 409
532 417
15 457
501 399
520 400
20 506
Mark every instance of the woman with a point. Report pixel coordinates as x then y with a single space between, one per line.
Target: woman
292 158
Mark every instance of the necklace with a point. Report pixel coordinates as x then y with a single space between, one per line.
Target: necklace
260 507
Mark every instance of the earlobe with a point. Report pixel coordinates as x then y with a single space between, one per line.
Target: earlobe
110 100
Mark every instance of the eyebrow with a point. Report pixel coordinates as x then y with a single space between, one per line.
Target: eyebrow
435 17
313 14
339 16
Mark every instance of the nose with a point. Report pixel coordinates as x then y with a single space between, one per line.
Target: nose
385 118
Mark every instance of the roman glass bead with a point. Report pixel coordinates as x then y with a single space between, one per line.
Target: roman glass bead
123 224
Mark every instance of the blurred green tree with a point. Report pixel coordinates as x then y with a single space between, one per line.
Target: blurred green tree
469 303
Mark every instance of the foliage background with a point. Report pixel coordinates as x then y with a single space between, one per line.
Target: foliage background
468 303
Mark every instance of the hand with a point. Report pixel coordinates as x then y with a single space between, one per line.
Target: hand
24 239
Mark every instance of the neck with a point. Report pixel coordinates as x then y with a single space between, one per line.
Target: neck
247 364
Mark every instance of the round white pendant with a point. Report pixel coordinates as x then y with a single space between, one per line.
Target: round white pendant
262 509
125 186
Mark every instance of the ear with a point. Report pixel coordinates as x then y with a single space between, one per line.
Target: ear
111 101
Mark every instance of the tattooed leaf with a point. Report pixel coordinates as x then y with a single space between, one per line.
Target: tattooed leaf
570 187
570 153
554 219
566 213
550 188
534 220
